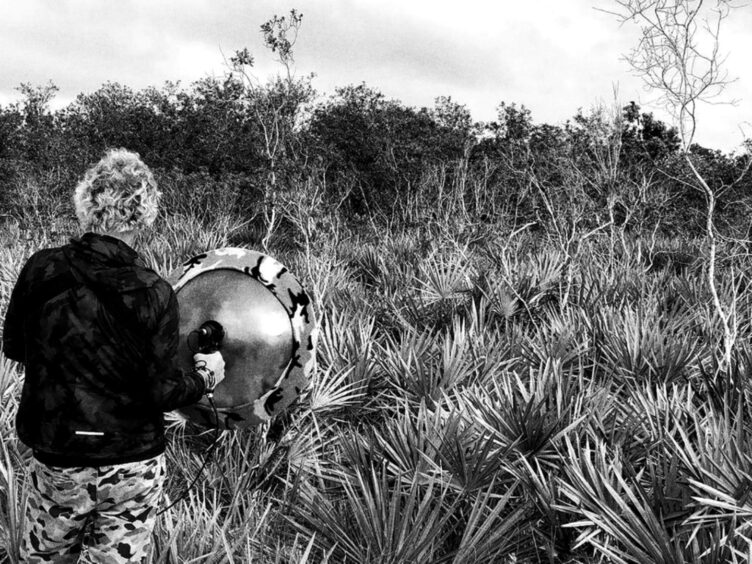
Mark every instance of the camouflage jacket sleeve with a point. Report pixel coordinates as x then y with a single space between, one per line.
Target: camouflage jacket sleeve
170 387
14 346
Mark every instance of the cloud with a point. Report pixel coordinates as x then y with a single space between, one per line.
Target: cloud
81 44
552 56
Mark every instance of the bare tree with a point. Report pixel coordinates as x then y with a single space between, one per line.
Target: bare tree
275 106
678 56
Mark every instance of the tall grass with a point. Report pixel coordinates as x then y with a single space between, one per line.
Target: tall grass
473 402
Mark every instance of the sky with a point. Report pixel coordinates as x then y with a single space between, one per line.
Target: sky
553 56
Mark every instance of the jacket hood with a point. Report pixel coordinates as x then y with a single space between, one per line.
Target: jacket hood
104 262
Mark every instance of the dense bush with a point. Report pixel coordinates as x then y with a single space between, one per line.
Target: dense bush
379 157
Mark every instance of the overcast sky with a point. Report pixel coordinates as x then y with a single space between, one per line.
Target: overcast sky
554 56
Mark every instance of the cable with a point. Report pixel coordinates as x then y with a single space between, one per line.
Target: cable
208 338
207 456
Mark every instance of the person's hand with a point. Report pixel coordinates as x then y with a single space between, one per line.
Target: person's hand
211 367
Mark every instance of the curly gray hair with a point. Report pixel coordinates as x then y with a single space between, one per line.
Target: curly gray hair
117 194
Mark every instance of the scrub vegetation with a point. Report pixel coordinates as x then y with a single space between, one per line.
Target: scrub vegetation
524 356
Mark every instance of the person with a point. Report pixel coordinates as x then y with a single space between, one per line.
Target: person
97 333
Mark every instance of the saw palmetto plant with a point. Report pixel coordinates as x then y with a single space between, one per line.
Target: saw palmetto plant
461 411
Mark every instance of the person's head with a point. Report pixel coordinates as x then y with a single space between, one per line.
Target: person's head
117 195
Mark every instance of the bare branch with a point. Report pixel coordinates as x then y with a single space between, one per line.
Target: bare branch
678 55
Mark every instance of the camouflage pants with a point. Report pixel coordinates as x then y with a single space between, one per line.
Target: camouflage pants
109 510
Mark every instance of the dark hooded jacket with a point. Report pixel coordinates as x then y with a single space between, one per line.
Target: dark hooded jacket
97 332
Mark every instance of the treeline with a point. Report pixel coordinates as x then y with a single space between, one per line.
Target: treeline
360 154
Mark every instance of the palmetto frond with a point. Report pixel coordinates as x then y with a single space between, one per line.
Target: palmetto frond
496 529
613 513
563 336
424 365
642 343
715 450
331 393
515 416
373 518
444 278
14 492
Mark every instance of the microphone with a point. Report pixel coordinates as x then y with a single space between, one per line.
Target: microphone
209 337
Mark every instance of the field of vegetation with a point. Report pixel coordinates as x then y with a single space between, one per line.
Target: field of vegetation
534 339
482 395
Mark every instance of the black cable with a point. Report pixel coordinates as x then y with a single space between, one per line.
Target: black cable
207 456
208 339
